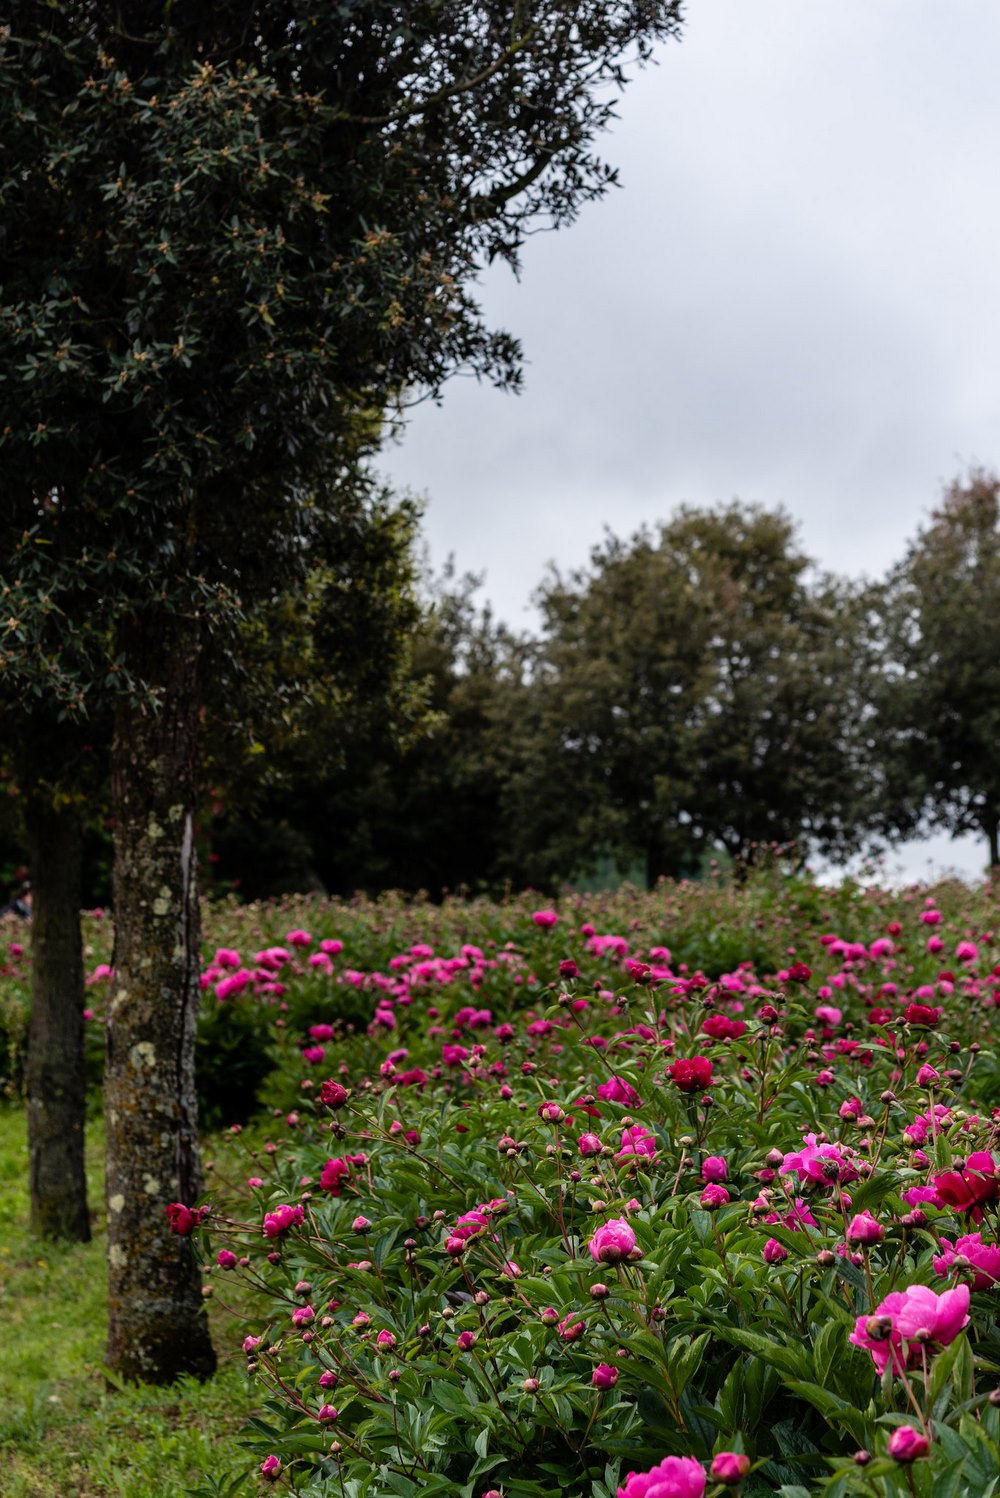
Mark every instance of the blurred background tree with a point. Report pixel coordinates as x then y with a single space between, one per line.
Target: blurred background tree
938 621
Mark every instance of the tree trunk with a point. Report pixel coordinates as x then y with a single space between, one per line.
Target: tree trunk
157 1326
993 835
54 1074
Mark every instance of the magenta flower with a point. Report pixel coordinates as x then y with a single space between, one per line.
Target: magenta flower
822 1163
911 1322
637 1141
183 1220
545 918
983 1259
333 1094
604 1376
589 1144
334 1174
691 1074
281 1219
675 1477
617 1090
906 1444
569 1329
729 1467
714 1169
968 1189
270 1468
863 1228
613 1242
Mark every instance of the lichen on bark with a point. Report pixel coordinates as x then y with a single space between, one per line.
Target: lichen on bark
157 1326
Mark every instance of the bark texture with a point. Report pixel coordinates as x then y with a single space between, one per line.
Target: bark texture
157 1326
55 1078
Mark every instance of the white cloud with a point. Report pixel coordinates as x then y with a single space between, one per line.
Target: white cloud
792 299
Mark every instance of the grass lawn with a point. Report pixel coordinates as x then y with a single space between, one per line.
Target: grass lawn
63 1434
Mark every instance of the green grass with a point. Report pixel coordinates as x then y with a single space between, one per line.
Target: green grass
63 1434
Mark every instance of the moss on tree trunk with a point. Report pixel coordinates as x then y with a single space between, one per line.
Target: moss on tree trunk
157 1327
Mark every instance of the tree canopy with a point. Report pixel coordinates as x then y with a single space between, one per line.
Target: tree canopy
939 696
231 237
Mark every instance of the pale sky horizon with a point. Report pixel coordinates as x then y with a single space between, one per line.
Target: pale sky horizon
790 300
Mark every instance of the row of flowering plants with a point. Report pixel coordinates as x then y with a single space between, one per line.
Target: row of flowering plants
635 1234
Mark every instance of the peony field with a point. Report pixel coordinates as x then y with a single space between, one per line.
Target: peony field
628 1196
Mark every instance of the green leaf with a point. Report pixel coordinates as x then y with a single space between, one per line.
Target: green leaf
951 1379
790 1360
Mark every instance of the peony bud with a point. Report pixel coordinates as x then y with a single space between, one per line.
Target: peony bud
907 1444
729 1467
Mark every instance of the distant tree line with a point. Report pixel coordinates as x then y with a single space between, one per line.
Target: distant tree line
697 690
700 690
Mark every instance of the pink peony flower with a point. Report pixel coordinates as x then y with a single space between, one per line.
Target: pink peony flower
729 1467
637 1141
183 1220
910 1322
570 1330
863 1228
968 1189
333 1176
675 1477
714 1168
604 1376
693 1074
721 1027
617 1090
333 1094
906 1444
281 1219
983 1258
822 1163
613 1242
545 918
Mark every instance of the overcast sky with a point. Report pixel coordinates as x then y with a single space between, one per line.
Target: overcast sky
793 298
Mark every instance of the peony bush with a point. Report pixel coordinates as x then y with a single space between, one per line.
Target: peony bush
568 1214
641 1196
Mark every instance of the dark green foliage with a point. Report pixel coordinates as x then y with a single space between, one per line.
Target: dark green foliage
228 238
233 1055
693 689
939 703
